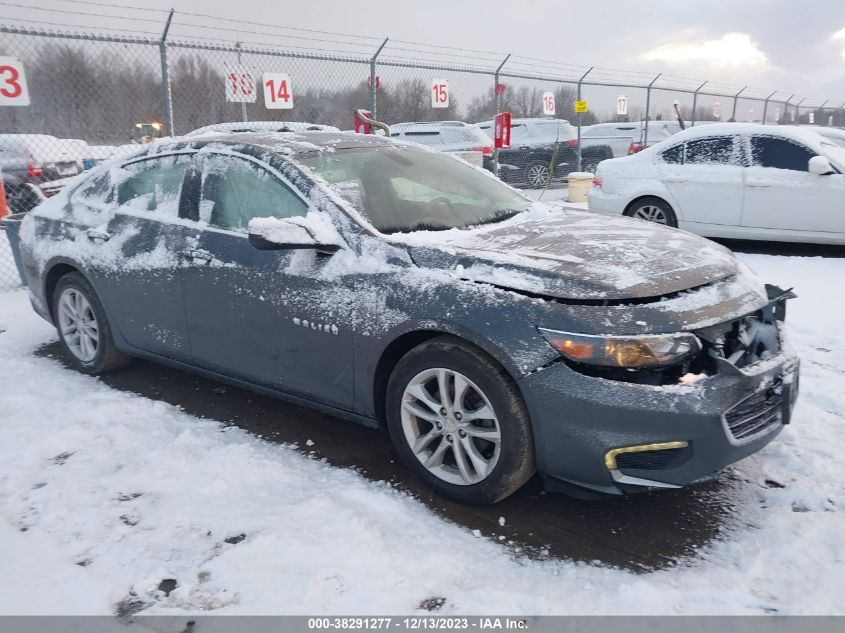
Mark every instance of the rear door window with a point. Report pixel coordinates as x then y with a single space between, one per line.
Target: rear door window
714 150
674 155
779 153
154 184
235 190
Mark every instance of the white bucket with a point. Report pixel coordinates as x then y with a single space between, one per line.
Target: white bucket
580 183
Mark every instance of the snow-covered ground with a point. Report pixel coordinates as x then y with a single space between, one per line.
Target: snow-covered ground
8 273
104 494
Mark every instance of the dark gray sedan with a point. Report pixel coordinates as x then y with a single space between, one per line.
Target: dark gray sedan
492 336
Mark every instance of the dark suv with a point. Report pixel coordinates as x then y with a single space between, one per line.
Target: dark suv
492 336
543 151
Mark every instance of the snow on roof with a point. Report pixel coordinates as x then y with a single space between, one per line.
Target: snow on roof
262 126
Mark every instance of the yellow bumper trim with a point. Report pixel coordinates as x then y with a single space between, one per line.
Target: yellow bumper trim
610 456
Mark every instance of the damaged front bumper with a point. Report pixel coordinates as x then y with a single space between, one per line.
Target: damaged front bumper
616 437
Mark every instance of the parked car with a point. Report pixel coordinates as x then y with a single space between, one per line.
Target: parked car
491 335
628 138
29 160
543 150
455 137
263 126
733 180
834 134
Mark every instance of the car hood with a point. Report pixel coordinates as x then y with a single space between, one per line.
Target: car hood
577 255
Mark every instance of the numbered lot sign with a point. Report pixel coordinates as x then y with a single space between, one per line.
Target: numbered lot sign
13 88
278 93
717 110
240 84
439 93
549 103
622 105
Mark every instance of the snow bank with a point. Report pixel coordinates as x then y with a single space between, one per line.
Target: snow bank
103 494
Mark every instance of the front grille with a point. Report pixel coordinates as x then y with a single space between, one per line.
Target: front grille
653 460
757 413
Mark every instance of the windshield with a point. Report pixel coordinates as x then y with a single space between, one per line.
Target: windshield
403 189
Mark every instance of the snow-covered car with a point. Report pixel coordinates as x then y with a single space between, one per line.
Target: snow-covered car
733 180
456 137
831 133
263 126
628 138
542 151
492 336
30 160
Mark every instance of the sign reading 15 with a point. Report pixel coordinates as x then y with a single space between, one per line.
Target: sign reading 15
439 93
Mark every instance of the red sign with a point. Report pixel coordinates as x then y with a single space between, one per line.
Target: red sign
502 130
500 89
362 127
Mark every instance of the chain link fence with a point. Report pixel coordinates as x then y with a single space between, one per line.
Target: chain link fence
95 94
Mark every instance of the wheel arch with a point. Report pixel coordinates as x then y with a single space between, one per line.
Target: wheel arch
663 198
56 271
408 340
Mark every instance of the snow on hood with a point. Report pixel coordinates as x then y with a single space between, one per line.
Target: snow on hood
578 255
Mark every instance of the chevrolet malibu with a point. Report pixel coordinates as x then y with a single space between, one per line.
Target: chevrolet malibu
493 337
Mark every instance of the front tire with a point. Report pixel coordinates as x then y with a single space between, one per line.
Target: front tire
459 423
83 328
652 209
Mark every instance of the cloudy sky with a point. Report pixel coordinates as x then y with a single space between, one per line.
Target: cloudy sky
791 46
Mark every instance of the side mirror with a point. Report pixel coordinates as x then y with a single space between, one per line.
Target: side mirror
273 234
820 166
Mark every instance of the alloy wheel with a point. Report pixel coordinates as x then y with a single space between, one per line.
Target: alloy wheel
650 213
78 325
538 175
451 426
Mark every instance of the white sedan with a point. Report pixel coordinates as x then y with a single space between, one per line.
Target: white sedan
733 180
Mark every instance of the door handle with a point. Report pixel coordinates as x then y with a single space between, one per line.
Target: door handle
195 254
675 180
98 236
757 183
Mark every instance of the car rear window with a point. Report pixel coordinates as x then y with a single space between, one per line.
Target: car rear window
713 150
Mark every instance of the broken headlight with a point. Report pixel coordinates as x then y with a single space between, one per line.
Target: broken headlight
642 351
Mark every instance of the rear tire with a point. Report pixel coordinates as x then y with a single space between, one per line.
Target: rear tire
652 209
83 329
473 446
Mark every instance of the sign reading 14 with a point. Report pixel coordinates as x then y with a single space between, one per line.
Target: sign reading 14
278 93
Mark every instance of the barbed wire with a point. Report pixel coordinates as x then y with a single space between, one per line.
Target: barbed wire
449 55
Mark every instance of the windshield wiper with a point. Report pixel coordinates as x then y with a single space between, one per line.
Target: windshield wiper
501 216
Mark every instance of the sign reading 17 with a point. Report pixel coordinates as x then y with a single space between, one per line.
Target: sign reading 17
278 93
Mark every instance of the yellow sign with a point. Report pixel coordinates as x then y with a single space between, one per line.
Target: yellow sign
580 106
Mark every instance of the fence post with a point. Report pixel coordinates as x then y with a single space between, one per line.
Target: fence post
647 108
798 111
578 117
786 105
498 95
736 99
821 107
374 82
166 95
766 106
695 102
